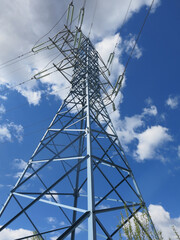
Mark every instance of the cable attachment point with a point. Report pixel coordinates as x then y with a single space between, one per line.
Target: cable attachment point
118 84
70 13
81 17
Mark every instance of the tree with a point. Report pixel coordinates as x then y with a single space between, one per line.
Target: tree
37 237
133 231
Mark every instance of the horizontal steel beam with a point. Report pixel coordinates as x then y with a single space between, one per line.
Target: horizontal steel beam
58 159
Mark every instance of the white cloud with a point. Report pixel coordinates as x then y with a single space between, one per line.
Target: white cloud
18 174
105 47
51 220
152 110
129 45
19 164
160 217
127 128
163 221
9 131
56 197
62 223
22 27
17 131
173 102
150 140
9 234
2 109
4 134
33 97
3 97
109 18
179 151
103 206
81 228
107 44
54 238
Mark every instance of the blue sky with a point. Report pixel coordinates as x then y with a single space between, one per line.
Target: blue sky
147 116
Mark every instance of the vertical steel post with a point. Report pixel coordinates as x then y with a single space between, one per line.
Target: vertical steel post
90 184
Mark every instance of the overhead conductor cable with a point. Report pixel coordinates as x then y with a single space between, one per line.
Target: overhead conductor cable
121 77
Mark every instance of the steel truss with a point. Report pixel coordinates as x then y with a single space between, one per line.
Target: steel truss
78 174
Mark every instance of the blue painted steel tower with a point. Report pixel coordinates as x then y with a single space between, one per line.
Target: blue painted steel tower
78 174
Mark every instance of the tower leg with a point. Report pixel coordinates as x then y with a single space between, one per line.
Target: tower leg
90 184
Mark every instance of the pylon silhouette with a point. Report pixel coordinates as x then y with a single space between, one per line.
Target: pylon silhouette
78 174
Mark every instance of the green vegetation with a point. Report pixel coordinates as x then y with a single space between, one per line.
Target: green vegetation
133 231
36 237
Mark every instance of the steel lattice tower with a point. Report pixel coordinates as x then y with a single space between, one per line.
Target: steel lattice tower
78 172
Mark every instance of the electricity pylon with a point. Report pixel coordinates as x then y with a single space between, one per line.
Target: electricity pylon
78 174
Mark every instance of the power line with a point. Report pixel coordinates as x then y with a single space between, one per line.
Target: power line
2 65
22 67
51 28
24 55
139 34
132 51
93 19
32 78
111 56
84 5
125 17
13 59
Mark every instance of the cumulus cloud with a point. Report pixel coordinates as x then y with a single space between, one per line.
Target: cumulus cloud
172 102
152 111
105 47
164 222
160 217
129 44
33 97
11 130
23 26
150 140
104 25
2 109
5 134
10 234
19 164
127 128
17 131
3 97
